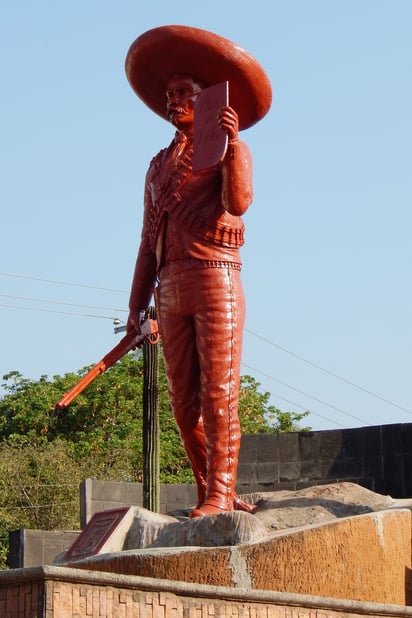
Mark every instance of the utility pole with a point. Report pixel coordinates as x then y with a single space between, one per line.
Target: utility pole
151 428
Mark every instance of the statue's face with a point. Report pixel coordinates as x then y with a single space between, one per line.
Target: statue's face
181 93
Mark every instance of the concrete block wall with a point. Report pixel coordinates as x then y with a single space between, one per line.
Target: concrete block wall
35 547
96 496
378 458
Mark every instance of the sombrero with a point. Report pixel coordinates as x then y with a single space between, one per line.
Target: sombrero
159 53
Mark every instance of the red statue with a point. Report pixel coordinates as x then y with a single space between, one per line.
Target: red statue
189 251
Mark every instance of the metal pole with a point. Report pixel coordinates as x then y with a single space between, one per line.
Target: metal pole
151 430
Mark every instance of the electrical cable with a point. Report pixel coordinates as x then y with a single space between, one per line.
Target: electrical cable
80 285
297 405
83 315
39 506
307 395
254 334
58 302
308 362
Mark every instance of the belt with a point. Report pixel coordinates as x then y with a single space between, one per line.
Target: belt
174 268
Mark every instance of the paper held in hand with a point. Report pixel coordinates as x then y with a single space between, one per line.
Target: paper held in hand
209 141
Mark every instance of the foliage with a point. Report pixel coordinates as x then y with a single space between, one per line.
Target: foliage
39 487
257 416
45 454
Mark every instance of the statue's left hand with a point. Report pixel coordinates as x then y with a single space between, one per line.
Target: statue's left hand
228 121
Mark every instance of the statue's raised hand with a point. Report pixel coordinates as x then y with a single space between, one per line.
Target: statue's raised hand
228 121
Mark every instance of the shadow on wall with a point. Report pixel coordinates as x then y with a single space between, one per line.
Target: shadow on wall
408 586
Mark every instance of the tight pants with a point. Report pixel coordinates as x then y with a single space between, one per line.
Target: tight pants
201 315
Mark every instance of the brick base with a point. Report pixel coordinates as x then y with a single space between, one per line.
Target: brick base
58 592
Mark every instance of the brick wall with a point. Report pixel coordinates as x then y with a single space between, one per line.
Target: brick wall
56 592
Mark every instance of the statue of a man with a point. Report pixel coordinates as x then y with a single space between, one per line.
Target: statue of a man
189 250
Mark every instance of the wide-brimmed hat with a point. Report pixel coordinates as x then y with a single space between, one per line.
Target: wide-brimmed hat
159 53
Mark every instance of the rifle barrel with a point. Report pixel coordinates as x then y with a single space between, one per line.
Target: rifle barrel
124 346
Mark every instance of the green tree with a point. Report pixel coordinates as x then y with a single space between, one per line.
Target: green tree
258 416
103 425
39 487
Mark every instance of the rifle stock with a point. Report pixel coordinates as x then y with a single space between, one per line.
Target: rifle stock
131 340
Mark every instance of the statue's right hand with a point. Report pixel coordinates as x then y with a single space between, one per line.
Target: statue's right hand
133 322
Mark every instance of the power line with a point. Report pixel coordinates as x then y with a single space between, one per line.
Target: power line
308 362
38 506
248 366
83 315
58 302
37 485
297 405
307 395
44 280
325 418
273 344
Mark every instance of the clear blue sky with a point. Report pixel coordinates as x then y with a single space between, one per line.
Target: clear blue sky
327 261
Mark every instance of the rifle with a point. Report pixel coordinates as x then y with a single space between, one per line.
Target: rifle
149 332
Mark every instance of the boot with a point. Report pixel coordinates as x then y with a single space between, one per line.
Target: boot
222 450
241 505
194 442
195 447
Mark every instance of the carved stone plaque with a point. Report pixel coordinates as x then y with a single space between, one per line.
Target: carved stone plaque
98 536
